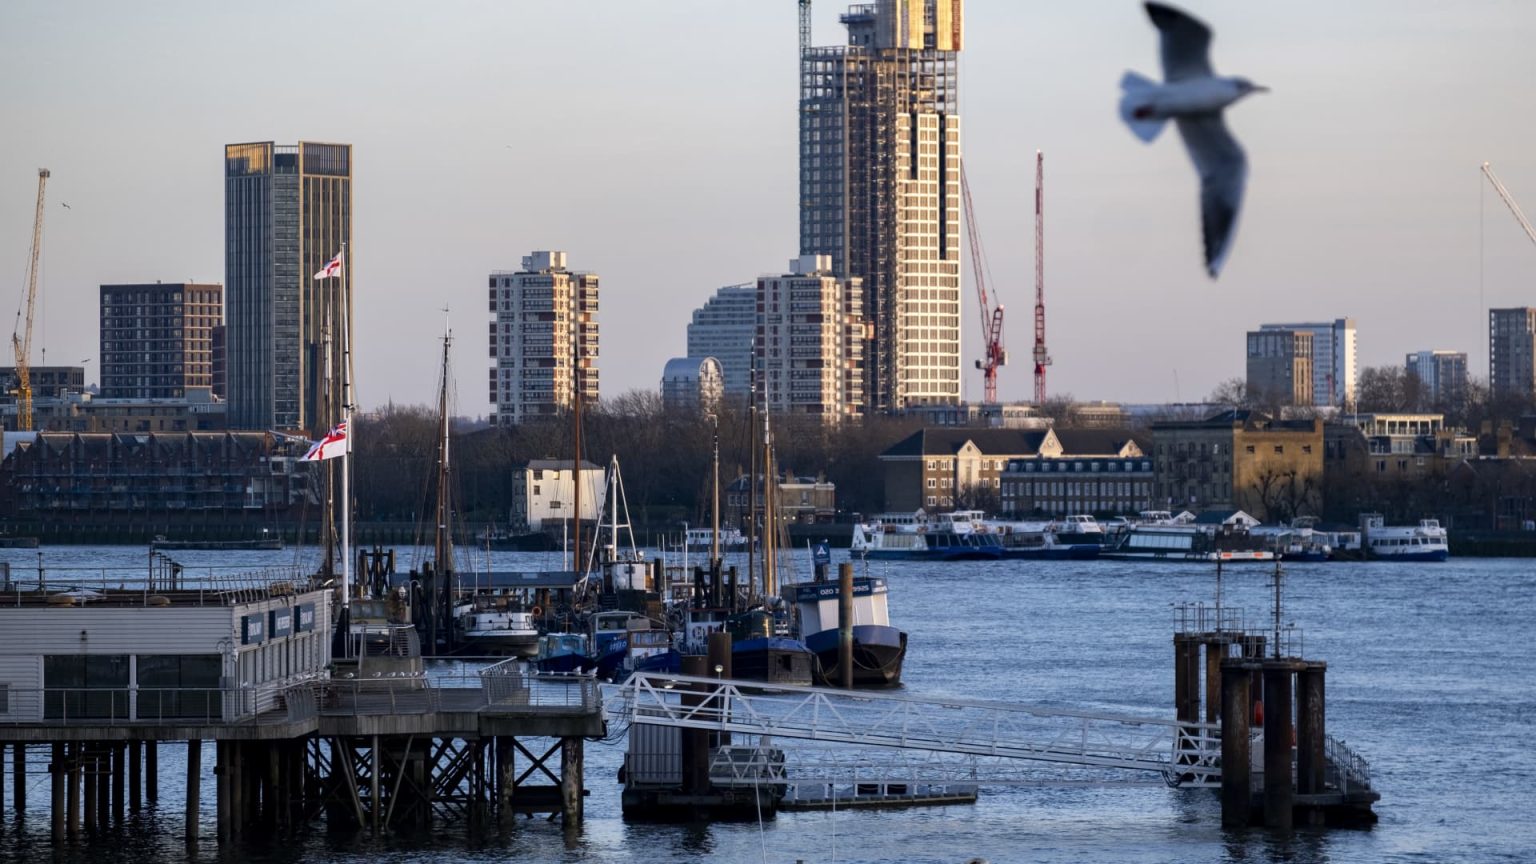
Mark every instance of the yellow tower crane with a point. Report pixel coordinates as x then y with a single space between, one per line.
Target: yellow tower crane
21 337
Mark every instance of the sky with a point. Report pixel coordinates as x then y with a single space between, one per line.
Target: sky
655 142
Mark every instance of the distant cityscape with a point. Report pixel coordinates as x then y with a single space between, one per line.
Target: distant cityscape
863 321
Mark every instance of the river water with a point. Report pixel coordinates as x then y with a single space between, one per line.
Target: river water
1431 670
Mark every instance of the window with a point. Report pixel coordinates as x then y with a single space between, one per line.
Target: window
173 685
1280 449
1248 449
932 483
5 698
1306 448
70 680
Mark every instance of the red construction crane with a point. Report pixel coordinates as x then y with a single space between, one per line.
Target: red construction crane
1042 357
991 311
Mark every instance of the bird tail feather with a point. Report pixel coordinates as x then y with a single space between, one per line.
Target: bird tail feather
1134 103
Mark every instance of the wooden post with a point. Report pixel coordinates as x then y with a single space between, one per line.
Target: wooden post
194 786
59 771
236 790
1311 728
72 761
1278 732
571 781
119 755
845 624
1236 755
19 777
92 803
506 760
373 786
135 775
152 771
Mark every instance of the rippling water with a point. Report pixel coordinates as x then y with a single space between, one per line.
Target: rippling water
1431 669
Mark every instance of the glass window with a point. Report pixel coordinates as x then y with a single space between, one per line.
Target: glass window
182 686
85 686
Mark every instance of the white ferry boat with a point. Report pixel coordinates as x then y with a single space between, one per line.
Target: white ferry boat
1077 537
957 536
1425 541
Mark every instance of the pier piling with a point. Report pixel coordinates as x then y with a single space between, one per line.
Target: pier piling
1236 755
119 756
1278 738
58 778
571 768
1310 732
845 624
151 771
91 798
135 775
194 786
19 777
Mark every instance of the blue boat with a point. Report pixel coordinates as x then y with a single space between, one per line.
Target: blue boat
758 653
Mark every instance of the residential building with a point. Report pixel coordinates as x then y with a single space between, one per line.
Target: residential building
880 187
1280 367
47 381
723 328
945 468
810 341
1335 373
238 477
545 326
1512 352
972 415
287 213
1441 374
801 500
544 494
1239 460
157 340
216 341
1096 471
692 384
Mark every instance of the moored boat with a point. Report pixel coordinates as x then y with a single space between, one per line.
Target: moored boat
958 536
1426 541
878 648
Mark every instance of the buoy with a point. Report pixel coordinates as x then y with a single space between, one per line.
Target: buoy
1258 713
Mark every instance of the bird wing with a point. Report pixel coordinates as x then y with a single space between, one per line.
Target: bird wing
1186 43
1223 173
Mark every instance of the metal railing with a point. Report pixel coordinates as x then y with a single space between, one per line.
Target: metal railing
516 682
1182 753
91 587
1351 772
1203 618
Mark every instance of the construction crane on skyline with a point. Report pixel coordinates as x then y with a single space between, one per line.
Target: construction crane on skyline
1042 356
1509 201
993 355
21 337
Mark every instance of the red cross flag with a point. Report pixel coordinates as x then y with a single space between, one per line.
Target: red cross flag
331 268
329 447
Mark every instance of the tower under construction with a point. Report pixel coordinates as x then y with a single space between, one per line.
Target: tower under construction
880 187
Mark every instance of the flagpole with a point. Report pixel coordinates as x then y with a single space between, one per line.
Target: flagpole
346 452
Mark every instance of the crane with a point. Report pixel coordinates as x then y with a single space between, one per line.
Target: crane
1509 200
21 338
805 28
993 355
1042 355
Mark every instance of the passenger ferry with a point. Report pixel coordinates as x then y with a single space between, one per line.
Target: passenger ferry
957 536
1186 542
1076 537
1426 541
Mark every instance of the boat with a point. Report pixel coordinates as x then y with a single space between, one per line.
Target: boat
564 654
494 624
702 539
760 653
1179 541
878 648
161 543
1426 541
1300 541
1076 537
957 536
17 541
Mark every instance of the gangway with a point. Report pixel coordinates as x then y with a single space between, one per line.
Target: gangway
1182 753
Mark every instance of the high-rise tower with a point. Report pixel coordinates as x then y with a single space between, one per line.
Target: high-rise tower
287 211
545 325
880 187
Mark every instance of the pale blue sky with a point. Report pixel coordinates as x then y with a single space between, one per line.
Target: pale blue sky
655 143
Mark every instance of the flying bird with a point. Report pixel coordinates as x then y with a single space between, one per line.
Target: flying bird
65 205
1193 96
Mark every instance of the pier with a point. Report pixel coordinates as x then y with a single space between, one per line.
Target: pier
98 682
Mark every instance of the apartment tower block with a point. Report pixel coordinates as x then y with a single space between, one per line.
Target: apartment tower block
545 327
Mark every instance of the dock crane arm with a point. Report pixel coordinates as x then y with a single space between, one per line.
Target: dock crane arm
21 338
1509 201
991 311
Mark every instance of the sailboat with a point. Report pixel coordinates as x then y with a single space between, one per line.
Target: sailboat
759 650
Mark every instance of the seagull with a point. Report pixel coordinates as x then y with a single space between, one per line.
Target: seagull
1193 96
65 205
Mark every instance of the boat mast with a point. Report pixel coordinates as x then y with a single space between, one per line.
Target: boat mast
770 544
442 542
714 487
346 419
752 487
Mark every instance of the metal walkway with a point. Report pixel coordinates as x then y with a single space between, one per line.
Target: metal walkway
1183 754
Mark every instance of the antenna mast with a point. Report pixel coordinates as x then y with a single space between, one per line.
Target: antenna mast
1042 357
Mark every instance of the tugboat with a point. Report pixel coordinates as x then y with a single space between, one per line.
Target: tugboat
878 648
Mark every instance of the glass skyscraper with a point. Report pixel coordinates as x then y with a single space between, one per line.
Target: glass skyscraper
287 211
